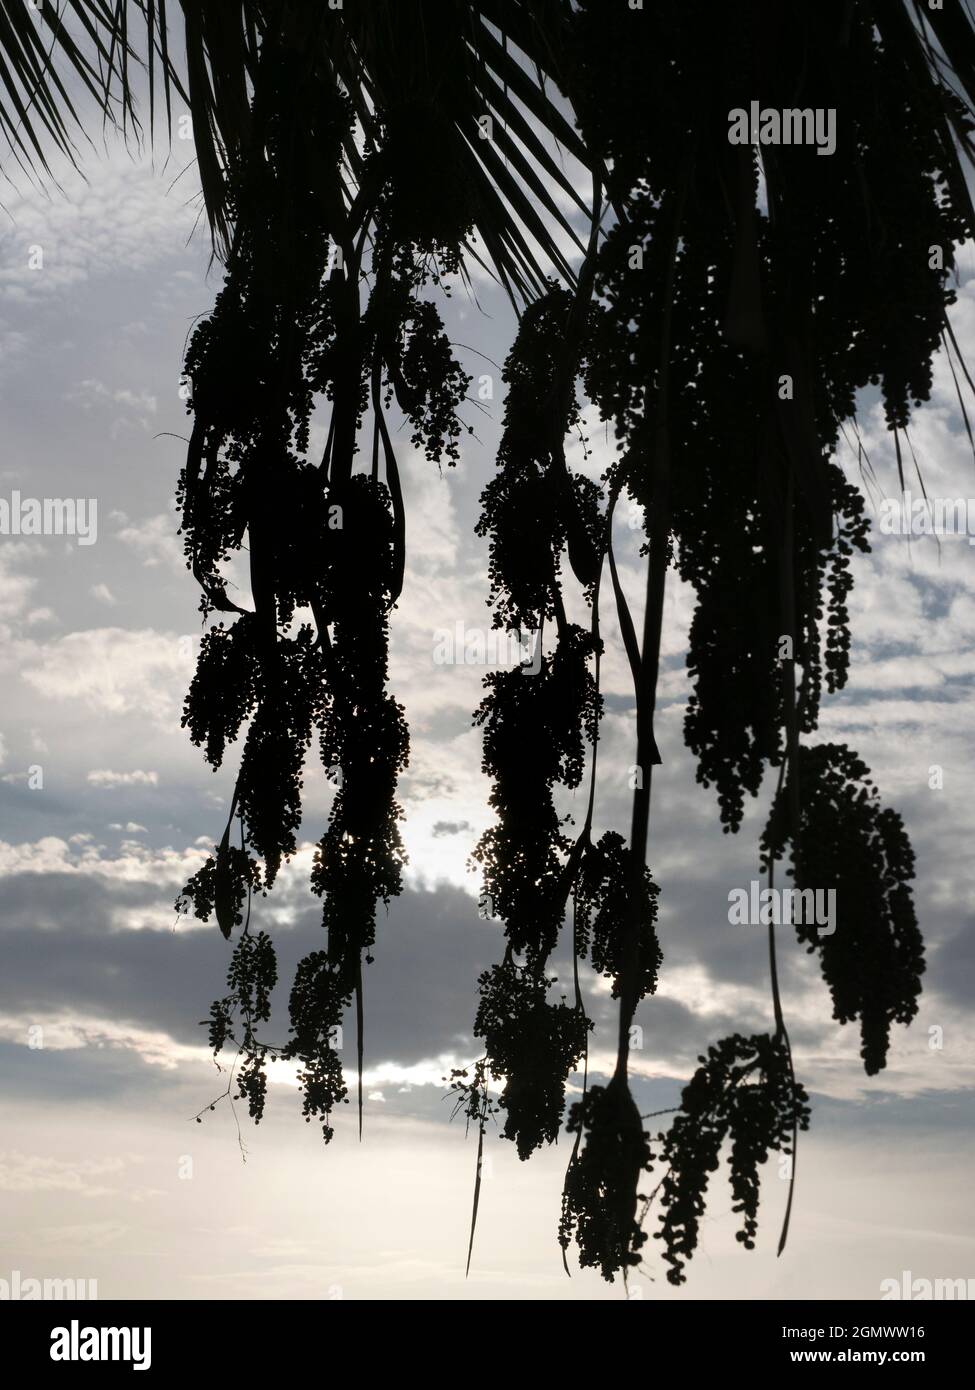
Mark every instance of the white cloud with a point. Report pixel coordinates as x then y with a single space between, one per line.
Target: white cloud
104 777
15 588
91 392
66 1032
120 216
114 671
20 1172
155 542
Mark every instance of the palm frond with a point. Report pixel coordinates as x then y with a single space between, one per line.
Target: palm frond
54 58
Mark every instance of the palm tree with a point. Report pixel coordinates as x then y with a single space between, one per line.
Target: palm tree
731 299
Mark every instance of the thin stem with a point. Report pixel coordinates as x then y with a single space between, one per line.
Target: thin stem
646 686
788 590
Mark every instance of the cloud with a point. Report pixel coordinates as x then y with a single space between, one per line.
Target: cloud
114 671
141 404
104 777
16 588
134 863
71 1031
118 217
155 542
450 827
20 1172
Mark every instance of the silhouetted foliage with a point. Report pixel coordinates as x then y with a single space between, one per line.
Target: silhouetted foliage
323 542
534 1044
551 714
599 1201
745 298
534 508
251 977
729 306
723 324
742 1092
849 844
603 902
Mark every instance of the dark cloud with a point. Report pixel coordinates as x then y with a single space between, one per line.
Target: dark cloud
62 953
450 827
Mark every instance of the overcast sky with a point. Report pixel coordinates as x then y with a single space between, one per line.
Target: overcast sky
97 647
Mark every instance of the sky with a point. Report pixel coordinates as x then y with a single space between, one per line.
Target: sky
106 809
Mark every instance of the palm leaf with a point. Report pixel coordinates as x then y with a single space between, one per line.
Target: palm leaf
84 42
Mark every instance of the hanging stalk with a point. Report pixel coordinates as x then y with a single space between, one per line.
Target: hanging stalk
582 844
788 591
645 687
